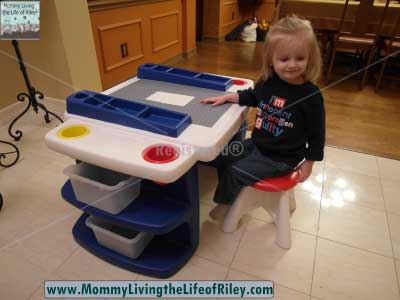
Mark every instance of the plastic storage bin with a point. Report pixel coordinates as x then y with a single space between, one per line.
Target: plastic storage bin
128 242
102 188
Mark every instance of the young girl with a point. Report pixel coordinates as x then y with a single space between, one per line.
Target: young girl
289 130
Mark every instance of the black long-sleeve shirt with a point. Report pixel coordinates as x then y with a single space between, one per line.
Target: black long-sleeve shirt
290 121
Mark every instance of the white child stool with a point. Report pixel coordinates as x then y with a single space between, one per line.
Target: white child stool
276 196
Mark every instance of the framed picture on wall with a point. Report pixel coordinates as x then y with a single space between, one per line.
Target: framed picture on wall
19 20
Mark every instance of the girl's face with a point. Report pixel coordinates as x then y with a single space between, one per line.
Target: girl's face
290 59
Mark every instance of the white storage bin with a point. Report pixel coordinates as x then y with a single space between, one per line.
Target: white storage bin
128 242
102 188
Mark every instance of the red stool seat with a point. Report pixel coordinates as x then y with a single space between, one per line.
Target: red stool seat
278 184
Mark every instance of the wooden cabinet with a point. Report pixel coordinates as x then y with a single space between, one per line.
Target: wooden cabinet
266 10
221 16
128 36
230 16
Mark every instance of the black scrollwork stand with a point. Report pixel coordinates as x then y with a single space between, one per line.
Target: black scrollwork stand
32 96
3 155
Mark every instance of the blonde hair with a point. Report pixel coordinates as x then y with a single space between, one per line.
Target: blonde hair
299 28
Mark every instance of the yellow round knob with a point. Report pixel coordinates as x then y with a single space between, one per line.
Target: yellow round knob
73 132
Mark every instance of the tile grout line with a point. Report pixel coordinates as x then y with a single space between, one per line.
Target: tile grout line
358 173
291 228
234 255
394 213
280 284
316 239
350 150
27 236
357 205
240 241
295 230
41 285
52 273
66 259
383 211
237 248
354 247
388 226
353 170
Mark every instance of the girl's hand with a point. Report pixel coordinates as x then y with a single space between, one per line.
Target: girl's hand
233 98
305 170
214 100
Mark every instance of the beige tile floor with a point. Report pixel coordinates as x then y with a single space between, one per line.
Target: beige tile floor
345 231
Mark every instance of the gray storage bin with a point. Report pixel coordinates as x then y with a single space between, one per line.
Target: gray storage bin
128 242
102 188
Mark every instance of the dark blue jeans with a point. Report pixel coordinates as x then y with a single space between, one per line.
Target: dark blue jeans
242 166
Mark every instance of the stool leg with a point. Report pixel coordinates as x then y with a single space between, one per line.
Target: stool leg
292 201
247 200
271 205
283 238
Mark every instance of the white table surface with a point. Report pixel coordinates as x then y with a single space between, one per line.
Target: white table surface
120 148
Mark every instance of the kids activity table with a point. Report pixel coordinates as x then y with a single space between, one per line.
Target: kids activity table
165 157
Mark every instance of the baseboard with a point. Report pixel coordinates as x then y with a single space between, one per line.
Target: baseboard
173 60
213 40
190 53
55 105
9 113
